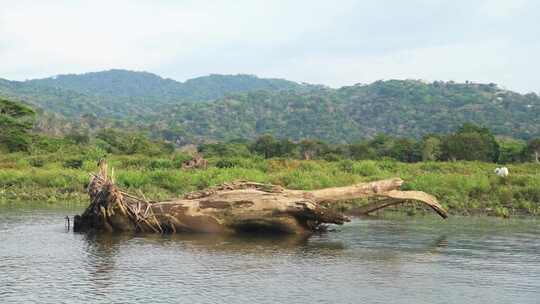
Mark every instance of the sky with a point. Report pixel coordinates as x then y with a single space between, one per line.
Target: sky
336 43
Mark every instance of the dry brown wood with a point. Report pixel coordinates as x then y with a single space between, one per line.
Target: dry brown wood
234 207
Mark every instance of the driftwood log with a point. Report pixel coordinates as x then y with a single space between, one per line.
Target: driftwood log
235 207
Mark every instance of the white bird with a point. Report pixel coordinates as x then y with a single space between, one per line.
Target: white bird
502 172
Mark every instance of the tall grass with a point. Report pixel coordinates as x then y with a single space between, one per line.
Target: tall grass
463 187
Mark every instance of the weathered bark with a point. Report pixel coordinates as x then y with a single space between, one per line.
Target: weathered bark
235 207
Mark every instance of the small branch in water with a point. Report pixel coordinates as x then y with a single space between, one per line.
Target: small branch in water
68 224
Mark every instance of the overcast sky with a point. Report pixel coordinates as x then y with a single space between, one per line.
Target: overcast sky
328 42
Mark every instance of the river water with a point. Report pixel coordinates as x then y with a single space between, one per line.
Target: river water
398 260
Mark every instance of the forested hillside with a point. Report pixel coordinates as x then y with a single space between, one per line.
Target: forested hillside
400 108
122 83
225 107
121 94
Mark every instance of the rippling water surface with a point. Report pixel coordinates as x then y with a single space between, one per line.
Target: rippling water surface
403 260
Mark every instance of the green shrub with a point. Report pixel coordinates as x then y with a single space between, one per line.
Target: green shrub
225 163
94 153
74 163
506 195
36 162
346 165
501 211
365 168
156 164
332 157
388 164
310 166
179 158
132 179
134 162
529 193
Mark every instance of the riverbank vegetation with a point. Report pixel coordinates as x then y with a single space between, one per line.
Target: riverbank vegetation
457 167
463 187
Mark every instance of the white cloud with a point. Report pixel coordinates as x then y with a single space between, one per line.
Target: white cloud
317 41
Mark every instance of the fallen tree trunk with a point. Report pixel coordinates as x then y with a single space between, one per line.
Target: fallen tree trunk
235 207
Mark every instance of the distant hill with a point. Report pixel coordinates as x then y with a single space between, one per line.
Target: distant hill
403 108
123 83
221 107
122 94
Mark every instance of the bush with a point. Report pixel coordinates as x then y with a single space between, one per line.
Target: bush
310 167
365 168
225 163
501 211
133 179
346 165
36 162
530 193
179 158
388 164
94 153
161 164
74 163
332 157
14 141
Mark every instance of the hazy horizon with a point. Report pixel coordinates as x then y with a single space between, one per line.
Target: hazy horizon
304 41
236 74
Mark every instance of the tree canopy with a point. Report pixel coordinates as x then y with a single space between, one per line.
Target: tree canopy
16 121
226 107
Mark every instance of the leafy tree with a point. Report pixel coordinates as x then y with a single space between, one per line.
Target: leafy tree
383 145
308 149
16 120
285 148
362 150
511 150
471 142
406 150
230 149
78 137
119 142
265 145
431 148
533 147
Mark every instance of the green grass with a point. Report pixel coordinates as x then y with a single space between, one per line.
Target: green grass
462 187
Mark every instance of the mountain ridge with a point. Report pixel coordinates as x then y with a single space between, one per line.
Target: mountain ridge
126 83
223 107
403 108
117 94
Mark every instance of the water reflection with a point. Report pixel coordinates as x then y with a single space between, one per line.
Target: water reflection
101 251
371 260
103 247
